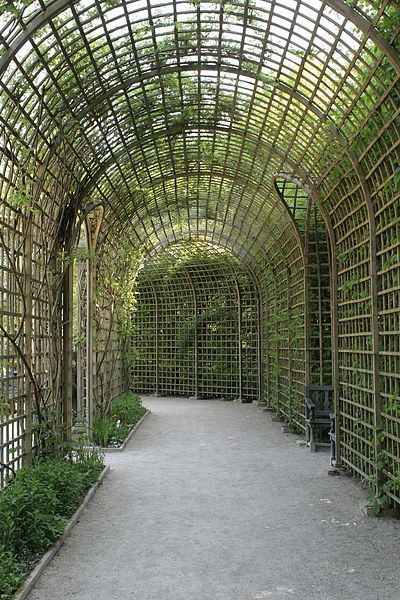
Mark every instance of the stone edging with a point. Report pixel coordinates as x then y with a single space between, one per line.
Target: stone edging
130 434
24 591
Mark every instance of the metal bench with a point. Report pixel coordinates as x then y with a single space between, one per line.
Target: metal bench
318 417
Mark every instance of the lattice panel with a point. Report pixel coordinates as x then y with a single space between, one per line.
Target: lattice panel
109 379
80 399
218 333
355 344
143 344
319 299
12 391
176 334
117 271
196 308
250 340
385 182
270 336
288 325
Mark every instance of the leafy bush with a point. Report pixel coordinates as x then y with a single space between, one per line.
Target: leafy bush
11 574
35 508
66 480
128 409
87 457
109 432
112 430
50 436
29 523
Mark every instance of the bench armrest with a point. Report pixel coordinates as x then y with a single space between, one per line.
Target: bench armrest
310 404
310 409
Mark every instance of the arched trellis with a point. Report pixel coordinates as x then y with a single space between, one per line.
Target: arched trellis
337 136
56 7
198 296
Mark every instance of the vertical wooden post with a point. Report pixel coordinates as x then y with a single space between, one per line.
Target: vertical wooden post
260 351
276 349
307 319
67 350
290 365
28 332
240 358
196 340
375 349
90 359
196 347
320 326
157 341
267 345
80 393
335 348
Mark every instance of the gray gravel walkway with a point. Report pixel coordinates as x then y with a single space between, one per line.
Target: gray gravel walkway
211 501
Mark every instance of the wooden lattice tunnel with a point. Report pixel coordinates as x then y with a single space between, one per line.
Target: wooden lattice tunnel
260 135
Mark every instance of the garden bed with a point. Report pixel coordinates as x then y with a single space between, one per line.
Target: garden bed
130 434
30 582
113 430
37 512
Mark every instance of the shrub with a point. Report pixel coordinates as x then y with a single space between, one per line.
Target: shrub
66 480
29 523
112 430
128 409
109 432
11 574
34 510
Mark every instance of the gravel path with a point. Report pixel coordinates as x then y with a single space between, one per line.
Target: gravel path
211 501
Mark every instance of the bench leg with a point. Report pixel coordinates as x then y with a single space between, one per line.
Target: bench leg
312 443
308 434
333 452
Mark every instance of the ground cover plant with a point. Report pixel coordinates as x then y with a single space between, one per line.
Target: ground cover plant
111 430
35 508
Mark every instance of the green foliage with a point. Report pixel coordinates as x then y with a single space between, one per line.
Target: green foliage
396 180
111 430
13 7
112 3
379 499
116 279
392 404
5 408
11 573
34 510
22 198
30 523
128 409
65 479
50 436
106 432
395 482
91 457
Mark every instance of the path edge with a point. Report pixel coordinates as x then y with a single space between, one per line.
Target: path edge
128 438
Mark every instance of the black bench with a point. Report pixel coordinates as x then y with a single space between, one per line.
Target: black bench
318 417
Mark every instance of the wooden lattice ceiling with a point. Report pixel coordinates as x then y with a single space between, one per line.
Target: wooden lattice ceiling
177 115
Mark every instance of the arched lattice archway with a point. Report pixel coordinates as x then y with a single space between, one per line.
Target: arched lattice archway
195 327
269 129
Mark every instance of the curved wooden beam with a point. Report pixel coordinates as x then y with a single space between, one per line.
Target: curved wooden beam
53 9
